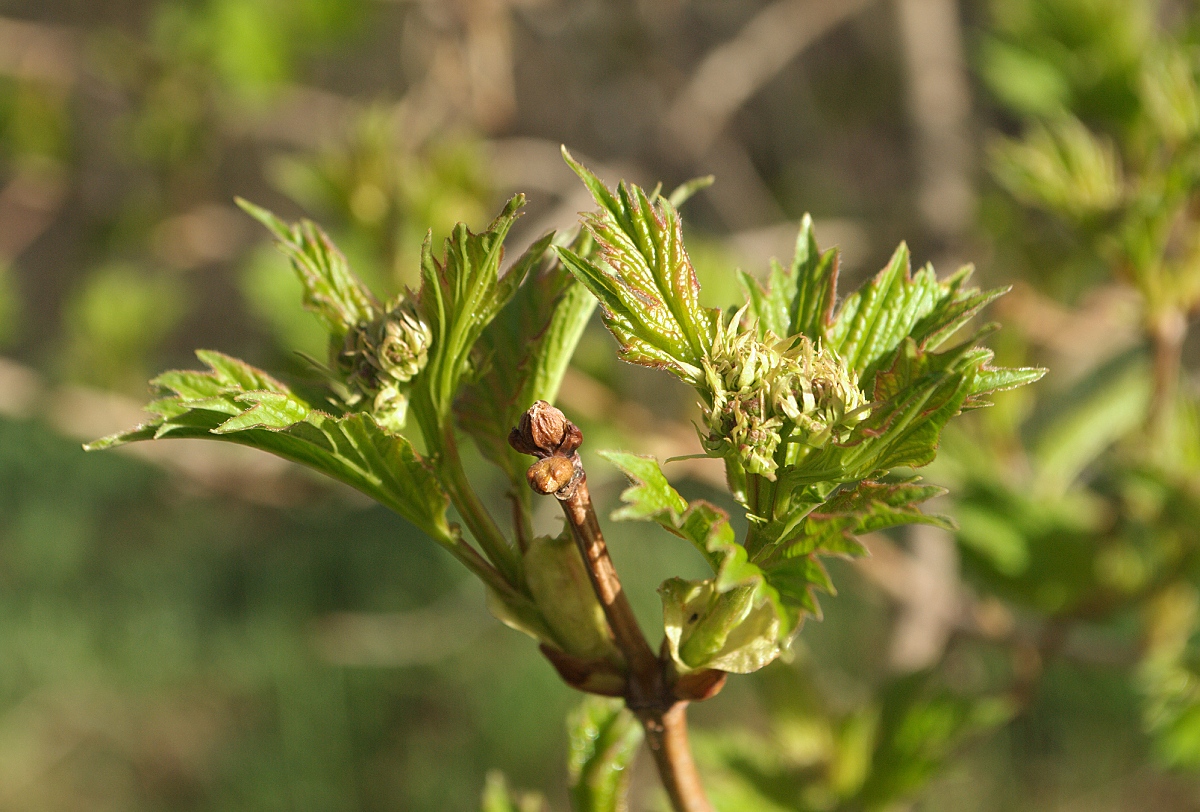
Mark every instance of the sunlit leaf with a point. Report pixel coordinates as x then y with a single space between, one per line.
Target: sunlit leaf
331 290
644 282
237 403
459 297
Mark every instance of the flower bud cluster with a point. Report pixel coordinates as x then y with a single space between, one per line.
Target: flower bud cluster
379 359
762 393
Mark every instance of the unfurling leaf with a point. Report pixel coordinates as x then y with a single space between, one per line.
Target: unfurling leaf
603 738
645 282
375 351
737 631
331 290
798 301
459 297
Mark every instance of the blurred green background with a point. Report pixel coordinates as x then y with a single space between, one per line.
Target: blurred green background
193 628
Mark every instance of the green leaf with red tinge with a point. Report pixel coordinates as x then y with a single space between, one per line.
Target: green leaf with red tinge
833 527
784 574
645 282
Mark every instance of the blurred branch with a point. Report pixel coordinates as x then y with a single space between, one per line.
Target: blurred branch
38 52
725 80
734 71
940 107
28 205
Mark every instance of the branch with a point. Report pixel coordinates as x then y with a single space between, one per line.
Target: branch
651 692
734 71
546 433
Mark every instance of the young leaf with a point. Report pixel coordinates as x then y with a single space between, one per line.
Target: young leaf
897 305
459 297
915 393
646 284
237 403
651 498
331 290
740 619
1063 167
798 301
603 738
739 630
833 526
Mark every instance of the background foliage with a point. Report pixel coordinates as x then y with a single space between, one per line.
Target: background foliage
193 629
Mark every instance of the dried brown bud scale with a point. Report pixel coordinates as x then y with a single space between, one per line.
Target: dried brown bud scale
545 431
550 475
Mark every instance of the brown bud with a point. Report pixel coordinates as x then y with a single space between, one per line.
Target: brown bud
544 431
551 474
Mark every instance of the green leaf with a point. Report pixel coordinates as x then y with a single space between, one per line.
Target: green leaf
651 498
920 726
684 191
798 301
866 507
897 305
524 353
646 285
1022 80
1169 94
603 738
459 297
237 403
738 630
739 620
331 290
915 393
